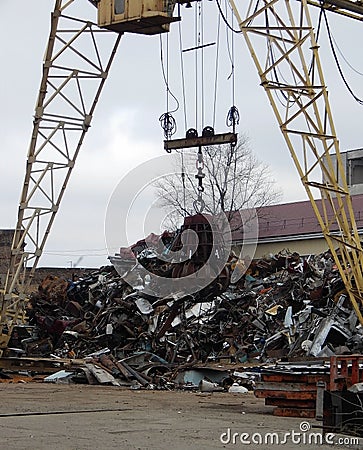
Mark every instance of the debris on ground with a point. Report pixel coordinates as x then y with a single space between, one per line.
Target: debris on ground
284 306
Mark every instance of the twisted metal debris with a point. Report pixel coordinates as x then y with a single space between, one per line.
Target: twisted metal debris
283 306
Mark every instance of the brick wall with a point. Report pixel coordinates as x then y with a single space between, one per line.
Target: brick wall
61 272
6 238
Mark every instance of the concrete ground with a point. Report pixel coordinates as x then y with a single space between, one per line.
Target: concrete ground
39 416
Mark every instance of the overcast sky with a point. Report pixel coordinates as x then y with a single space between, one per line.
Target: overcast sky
126 132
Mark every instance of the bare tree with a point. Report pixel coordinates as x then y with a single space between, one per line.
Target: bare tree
234 180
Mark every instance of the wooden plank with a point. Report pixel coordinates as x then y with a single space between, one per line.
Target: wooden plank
292 412
39 365
295 378
89 375
101 375
285 394
271 386
290 403
140 378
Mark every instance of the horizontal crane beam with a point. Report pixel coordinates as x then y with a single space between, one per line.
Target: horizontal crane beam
348 8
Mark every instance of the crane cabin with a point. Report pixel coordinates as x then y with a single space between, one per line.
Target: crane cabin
136 16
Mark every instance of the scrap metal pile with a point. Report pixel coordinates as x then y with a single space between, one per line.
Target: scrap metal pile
283 306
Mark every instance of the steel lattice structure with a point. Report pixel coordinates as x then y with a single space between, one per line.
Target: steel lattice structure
291 74
76 66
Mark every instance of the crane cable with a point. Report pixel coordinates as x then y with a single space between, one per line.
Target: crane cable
284 100
216 71
201 32
180 35
317 36
183 182
167 120
345 59
233 114
225 19
196 66
199 203
230 48
185 113
182 75
357 99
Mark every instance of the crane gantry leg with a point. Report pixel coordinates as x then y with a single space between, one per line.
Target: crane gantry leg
291 74
74 73
76 66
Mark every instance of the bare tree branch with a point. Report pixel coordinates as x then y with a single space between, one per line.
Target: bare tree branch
234 180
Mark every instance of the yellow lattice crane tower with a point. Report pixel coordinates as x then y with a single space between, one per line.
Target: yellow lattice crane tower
62 118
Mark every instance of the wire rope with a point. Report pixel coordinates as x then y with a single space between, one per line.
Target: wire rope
183 77
216 72
225 19
350 90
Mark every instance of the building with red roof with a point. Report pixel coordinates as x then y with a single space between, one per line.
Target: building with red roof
293 226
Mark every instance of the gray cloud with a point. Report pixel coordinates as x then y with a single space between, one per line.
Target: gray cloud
125 131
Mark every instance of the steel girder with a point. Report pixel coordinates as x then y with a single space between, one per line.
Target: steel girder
76 65
288 63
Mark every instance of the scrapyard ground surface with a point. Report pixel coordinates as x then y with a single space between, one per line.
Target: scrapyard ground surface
285 320
94 417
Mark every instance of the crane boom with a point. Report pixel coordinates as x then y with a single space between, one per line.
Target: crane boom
347 8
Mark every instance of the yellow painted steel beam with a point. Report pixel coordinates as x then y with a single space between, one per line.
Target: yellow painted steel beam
291 74
62 118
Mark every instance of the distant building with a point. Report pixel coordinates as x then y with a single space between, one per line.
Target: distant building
352 161
289 226
294 226
6 239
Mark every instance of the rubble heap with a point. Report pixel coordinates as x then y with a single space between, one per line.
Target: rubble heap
283 306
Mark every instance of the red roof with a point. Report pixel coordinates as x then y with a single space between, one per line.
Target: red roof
298 218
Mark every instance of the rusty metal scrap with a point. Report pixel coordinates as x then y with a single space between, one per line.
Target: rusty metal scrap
283 306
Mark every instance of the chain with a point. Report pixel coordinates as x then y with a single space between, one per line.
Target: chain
199 203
